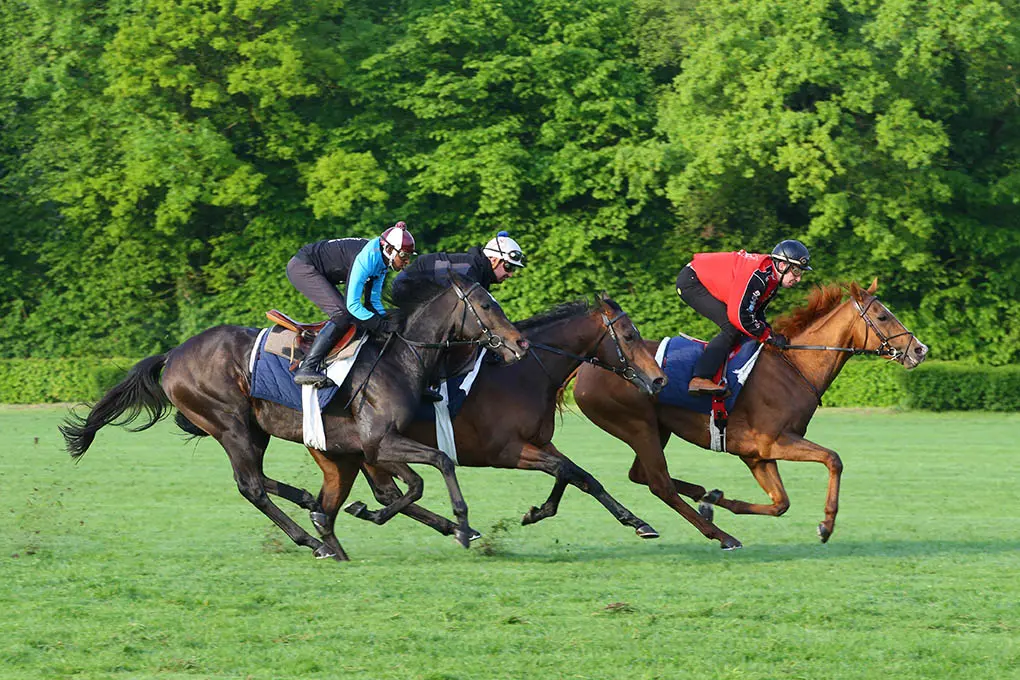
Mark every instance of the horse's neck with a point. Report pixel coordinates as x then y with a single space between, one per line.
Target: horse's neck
835 329
576 335
431 325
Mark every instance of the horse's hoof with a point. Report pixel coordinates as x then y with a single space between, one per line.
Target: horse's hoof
356 508
707 511
530 517
323 553
731 544
706 505
713 496
824 533
464 537
645 531
474 535
319 521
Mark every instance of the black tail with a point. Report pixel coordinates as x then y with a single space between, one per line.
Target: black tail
189 427
121 405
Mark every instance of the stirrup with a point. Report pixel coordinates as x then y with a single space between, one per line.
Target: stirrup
309 376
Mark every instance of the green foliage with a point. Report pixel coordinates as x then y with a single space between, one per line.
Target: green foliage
36 381
161 161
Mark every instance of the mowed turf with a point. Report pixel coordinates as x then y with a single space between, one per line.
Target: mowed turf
144 561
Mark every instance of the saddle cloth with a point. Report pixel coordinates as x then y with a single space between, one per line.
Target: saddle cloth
677 357
272 379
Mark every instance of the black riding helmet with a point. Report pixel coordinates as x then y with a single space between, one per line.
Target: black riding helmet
793 252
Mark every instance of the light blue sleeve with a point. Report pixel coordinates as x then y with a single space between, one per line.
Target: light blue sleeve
365 266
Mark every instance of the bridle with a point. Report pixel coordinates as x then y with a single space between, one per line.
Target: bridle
488 339
884 349
625 370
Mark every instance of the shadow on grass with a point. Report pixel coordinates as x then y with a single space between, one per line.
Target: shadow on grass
760 553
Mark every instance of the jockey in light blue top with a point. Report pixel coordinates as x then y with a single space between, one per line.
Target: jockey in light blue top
319 267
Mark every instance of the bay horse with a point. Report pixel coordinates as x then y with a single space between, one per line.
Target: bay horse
208 380
772 412
509 417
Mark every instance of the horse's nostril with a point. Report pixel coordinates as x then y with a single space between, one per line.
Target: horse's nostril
659 382
522 343
920 350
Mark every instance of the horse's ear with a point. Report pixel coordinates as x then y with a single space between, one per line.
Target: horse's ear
874 286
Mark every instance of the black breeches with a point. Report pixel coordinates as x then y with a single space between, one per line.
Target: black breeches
317 288
694 293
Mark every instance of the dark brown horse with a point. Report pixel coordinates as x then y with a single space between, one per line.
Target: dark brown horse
208 380
771 415
509 417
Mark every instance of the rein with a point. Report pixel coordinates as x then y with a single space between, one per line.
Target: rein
626 370
885 349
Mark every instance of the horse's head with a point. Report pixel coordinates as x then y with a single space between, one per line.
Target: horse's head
622 350
481 319
879 330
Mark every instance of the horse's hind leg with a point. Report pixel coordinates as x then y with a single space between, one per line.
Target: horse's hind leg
552 461
245 447
338 477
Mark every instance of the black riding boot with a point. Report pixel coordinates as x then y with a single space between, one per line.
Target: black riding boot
310 371
430 393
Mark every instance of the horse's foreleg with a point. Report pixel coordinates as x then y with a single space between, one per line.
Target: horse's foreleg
338 478
299 497
550 460
396 448
793 447
386 492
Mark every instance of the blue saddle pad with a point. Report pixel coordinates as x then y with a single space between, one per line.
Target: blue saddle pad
272 380
427 411
678 365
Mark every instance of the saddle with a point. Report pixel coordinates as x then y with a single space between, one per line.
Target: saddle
292 340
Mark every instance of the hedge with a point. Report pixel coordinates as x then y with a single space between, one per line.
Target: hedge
38 381
934 385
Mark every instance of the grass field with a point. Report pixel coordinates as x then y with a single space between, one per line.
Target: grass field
144 561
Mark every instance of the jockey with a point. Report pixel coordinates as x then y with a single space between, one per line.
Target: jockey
732 290
362 264
494 263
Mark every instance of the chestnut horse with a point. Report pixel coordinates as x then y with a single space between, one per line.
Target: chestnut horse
208 380
772 412
509 417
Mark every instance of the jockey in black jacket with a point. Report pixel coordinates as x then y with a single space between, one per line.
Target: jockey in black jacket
493 263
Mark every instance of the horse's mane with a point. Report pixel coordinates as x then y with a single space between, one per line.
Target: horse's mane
404 301
821 300
567 310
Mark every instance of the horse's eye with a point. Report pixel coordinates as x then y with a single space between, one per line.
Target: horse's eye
486 305
629 337
883 317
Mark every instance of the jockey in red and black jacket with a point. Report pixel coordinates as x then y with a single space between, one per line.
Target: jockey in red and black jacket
733 290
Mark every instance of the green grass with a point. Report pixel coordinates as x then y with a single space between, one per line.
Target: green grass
144 561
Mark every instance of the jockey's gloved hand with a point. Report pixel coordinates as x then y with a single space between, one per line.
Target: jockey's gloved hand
388 325
778 340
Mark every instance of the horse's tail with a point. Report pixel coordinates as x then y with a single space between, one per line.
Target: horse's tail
561 394
140 389
188 426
